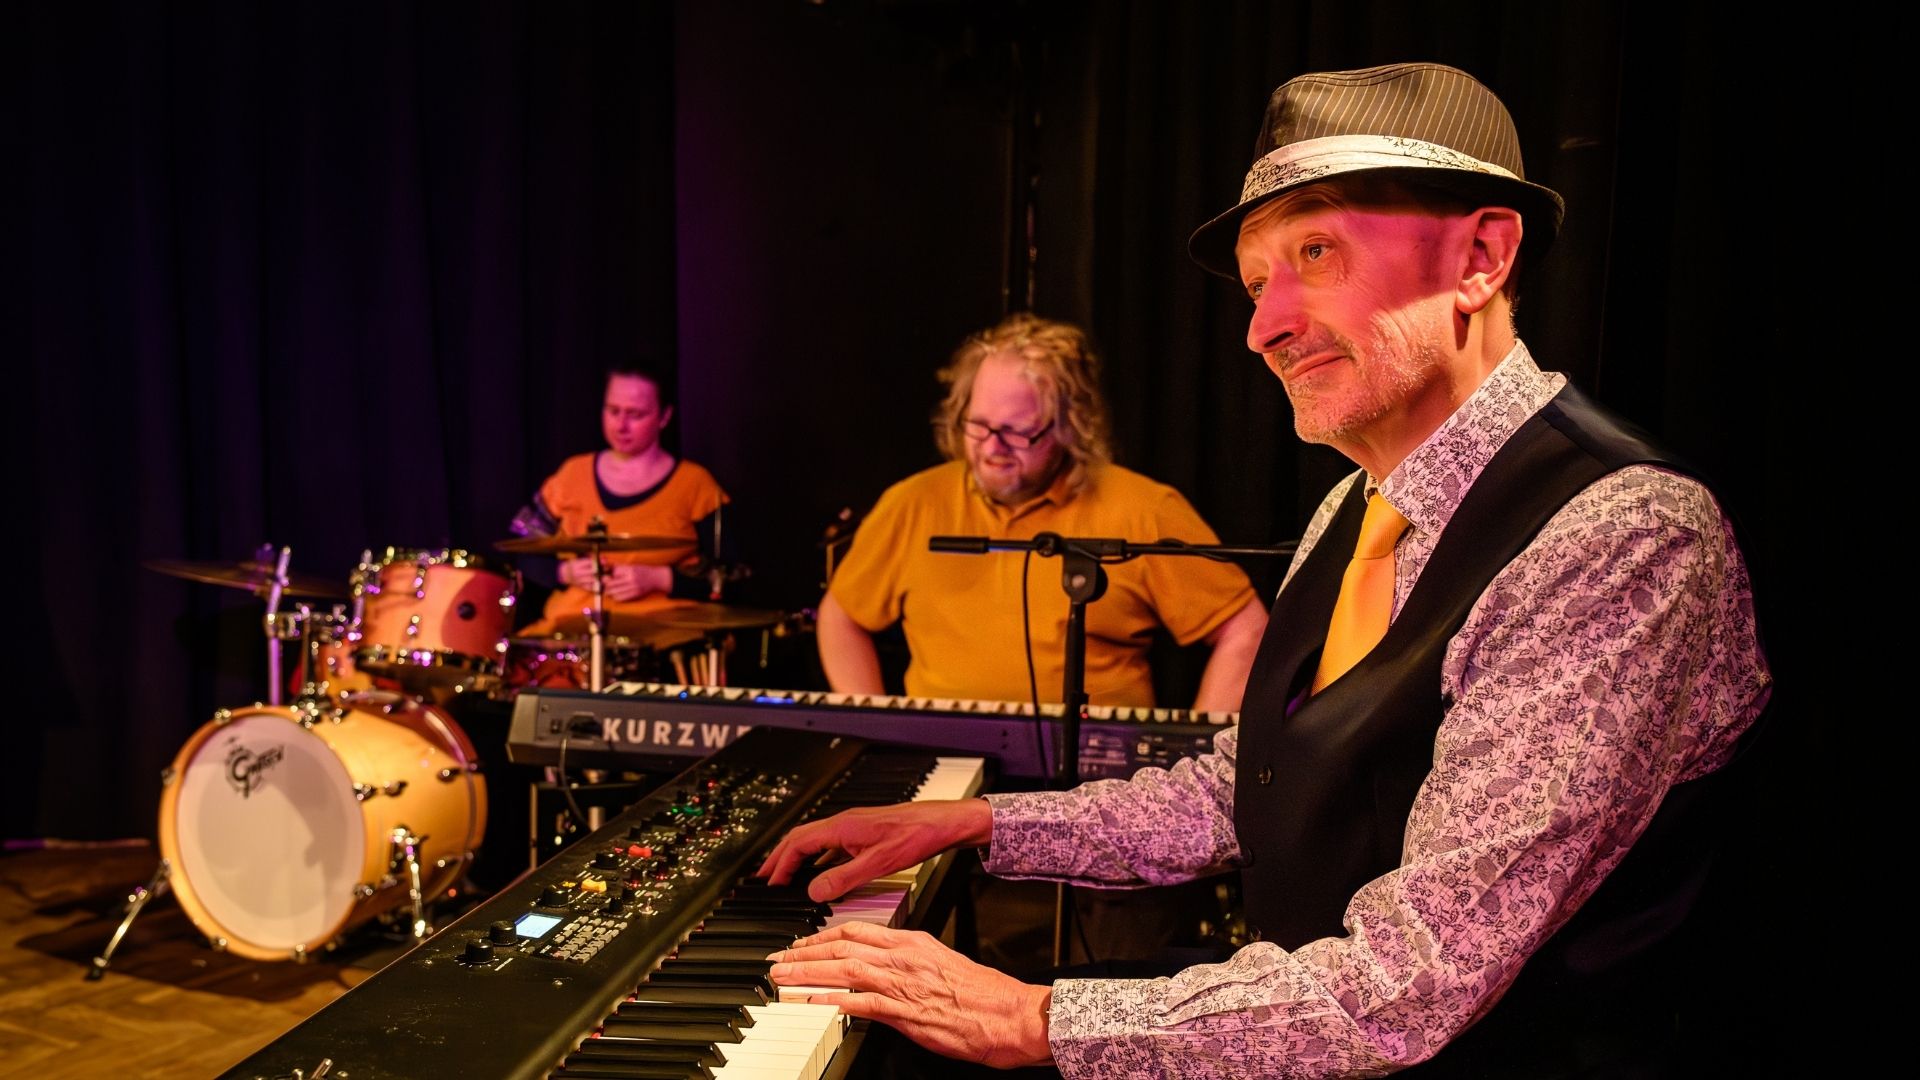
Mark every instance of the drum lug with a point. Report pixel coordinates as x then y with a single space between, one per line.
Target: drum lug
299 954
222 716
445 775
413 621
218 944
394 788
166 776
361 892
363 792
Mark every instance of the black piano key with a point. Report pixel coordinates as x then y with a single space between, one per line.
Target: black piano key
741 924
601 1069
755 889
697 953
681 1012
679 973
747 908
680 1032
765 942
663 1050
700 995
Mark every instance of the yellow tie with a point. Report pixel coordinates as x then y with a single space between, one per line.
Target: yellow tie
1366 594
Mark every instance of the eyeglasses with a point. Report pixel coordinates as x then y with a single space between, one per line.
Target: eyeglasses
981 431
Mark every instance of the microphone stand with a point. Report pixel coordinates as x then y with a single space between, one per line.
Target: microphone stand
1084 580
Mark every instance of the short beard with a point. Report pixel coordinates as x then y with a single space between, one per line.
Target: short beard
1386 374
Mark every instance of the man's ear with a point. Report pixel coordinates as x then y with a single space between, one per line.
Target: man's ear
1491 257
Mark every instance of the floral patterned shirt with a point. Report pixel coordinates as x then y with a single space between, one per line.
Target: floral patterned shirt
1613 658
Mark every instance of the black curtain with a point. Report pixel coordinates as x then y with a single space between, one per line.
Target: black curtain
335 276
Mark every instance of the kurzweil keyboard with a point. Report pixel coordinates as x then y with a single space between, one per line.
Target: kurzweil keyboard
640 950
647 726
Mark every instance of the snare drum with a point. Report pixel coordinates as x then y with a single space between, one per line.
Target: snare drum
336 672
279 824
563 663
434 617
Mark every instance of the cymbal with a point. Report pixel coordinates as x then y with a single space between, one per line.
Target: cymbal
255 577
718 617
623 631
569 545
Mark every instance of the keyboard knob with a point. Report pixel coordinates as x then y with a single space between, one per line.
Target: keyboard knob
478 952
501 933
554 896
606 860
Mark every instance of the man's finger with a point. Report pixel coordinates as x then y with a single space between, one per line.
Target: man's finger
787 855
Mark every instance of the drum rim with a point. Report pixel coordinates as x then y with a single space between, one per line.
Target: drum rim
452 743
424 659
223 937
458 558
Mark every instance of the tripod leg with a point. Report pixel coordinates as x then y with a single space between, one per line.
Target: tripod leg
135 902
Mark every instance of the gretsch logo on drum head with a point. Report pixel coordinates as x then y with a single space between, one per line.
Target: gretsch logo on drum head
244 766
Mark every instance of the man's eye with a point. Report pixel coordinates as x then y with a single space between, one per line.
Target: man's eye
1313 251
1256 288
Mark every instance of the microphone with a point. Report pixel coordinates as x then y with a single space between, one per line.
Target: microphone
963 545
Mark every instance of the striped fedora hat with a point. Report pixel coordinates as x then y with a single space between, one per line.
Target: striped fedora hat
1436 123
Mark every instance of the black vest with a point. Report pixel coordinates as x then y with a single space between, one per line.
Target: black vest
1322 797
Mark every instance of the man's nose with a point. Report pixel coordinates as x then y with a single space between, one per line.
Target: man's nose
1277 319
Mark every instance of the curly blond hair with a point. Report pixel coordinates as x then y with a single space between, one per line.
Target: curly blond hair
1062 366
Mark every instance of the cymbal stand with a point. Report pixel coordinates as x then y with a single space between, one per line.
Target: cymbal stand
310 692
597 627
274 590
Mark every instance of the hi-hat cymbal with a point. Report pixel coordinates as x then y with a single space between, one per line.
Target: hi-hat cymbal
255 577
580 545
718 617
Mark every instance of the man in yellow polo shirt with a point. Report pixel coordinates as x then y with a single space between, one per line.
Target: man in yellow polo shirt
1026 431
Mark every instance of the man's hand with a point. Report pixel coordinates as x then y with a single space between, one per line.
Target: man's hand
626 581
933 995
878 840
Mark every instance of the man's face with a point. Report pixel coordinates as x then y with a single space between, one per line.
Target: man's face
1352 309
631 417
1003 399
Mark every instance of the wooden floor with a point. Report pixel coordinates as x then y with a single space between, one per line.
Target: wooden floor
169 1006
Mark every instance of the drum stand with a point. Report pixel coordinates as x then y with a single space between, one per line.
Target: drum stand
406 850
136 900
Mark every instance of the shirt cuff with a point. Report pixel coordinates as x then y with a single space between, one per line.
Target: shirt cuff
1101 1027
1028 831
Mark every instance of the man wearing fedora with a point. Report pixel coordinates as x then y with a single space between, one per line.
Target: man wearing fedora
1469 792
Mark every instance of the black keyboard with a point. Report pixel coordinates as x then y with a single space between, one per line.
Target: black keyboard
639 951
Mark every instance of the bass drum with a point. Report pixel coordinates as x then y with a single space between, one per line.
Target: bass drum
280 825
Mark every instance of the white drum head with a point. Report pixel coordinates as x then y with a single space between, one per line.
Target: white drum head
268 834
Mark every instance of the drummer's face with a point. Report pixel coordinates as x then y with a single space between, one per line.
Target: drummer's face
632 417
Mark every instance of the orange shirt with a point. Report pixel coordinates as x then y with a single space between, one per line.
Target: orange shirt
572 496
961 613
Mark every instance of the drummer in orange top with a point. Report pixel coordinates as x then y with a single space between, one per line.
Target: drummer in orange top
635 487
